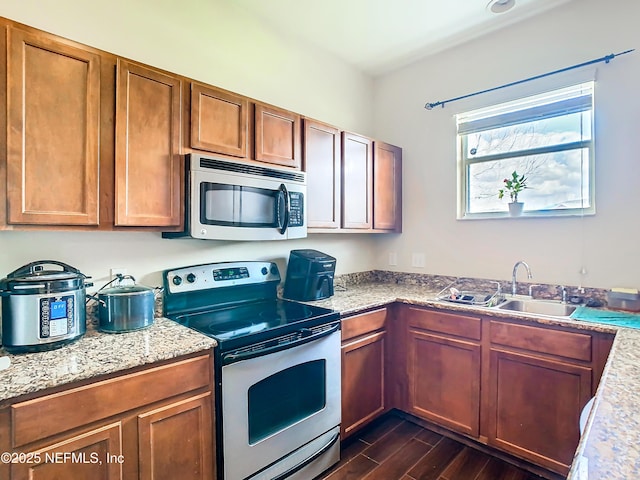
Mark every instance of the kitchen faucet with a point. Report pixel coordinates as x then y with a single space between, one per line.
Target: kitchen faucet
515 271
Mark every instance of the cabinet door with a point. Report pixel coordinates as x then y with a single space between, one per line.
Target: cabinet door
357 181
363 388
444 381
535 406
148 174
322 163
277 136
3 129
87 456
219 121
53 131
176 441
387 187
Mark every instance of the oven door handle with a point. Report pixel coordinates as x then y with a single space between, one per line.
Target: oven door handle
307 461
231 357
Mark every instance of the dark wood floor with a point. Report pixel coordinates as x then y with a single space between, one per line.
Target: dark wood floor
396 449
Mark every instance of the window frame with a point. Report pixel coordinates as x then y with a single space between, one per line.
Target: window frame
488 115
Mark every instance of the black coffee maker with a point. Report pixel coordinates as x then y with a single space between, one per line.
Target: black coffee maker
309 275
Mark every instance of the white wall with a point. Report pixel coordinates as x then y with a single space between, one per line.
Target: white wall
212 41
606 245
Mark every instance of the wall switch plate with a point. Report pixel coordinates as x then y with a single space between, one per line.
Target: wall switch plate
417 260
393 258
115 271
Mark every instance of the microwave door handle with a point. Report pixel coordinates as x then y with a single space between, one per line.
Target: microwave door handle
287 208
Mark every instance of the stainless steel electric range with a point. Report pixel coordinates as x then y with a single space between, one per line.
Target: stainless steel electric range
277 369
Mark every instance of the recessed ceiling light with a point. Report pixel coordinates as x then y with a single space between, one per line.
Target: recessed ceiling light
500 6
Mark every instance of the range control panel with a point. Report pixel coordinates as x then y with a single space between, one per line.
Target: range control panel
215 275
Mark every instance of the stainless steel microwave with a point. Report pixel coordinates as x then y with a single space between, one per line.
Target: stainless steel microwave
232 200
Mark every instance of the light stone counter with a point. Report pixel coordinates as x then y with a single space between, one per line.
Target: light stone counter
97 354
610 446
611 442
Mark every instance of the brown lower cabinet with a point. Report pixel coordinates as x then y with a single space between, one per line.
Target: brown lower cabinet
443 367
153 424
81 457
514 385
539 379
535 407
363 369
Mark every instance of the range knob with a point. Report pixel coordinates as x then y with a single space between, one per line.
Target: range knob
177 280
191 278
264 270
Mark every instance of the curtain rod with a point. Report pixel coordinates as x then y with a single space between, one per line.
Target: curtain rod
606 59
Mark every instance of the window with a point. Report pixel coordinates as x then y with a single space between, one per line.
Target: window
547 138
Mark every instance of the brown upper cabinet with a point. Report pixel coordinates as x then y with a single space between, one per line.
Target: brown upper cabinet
277 136
354 184
219 121
387 187
322 162
147 163
53 118
357 181
94 142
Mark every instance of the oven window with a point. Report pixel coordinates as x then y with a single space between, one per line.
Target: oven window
285 398
238 206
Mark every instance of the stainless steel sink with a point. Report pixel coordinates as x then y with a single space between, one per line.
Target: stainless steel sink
538 307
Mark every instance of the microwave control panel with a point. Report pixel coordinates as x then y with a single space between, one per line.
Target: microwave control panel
296 204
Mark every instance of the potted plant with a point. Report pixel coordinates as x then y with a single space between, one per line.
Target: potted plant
513 186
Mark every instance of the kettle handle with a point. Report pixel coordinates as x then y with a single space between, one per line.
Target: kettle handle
31 268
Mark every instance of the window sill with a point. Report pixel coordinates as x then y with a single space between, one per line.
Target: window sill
532 214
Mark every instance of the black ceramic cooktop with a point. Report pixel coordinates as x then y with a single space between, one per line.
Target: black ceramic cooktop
255 321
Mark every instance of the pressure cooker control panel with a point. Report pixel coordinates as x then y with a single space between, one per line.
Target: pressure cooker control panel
56 316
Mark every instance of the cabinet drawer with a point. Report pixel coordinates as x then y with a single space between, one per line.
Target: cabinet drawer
441 322
364 323
42 417
555 342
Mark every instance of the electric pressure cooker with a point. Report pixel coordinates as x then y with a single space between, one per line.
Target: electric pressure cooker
42 309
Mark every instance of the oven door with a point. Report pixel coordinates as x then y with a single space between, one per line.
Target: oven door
280 403
226 206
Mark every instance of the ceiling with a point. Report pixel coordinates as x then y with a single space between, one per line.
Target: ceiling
377 36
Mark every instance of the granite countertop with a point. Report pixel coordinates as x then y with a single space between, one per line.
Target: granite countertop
97 354
610 446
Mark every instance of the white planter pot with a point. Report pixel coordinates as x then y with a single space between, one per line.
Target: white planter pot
515 209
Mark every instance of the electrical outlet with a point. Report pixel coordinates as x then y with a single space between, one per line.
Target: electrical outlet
115 271
393 258
417 260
